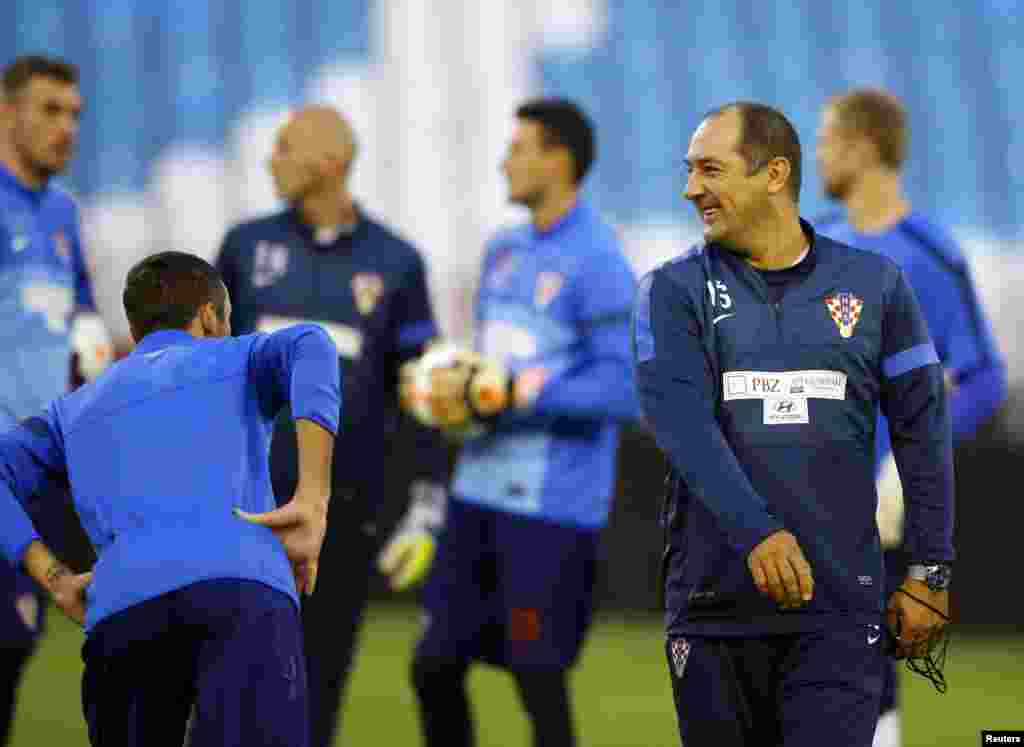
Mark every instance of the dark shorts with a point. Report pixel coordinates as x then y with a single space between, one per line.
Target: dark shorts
802 690
515 592
230 648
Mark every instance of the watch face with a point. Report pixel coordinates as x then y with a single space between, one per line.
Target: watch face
938 577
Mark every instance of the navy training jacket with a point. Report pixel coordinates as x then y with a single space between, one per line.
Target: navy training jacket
767 414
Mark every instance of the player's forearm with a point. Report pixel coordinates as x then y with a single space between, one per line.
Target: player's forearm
603 390
677 395
690 436
315 456
31 457
977 397
602 386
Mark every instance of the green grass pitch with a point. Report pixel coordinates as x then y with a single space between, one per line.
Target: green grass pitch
622 695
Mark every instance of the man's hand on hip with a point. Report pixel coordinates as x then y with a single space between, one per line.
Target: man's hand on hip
300 525
67 589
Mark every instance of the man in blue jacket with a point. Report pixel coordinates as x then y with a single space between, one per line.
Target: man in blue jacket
191 601
862 144
763 356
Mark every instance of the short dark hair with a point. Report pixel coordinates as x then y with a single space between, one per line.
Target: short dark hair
765 133
880 117
166 290
18 74
564 124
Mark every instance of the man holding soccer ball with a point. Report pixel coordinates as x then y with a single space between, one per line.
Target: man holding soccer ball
537 406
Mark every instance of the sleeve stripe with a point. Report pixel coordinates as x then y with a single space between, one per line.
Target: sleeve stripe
909 359
416 333
643 335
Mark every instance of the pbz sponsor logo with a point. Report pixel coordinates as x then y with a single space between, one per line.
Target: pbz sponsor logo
766 385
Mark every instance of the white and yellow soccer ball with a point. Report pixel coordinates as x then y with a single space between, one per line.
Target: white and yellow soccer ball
436 387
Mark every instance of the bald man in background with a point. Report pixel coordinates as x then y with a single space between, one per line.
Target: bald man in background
323 260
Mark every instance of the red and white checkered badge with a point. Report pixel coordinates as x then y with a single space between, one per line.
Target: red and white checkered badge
366 289
845 309
680 649
548 285
60 243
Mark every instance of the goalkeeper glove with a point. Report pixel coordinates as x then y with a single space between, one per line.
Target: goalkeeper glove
409 554
467 391
489 388
889 515
91 341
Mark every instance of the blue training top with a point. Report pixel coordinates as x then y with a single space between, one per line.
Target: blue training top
560 300
43 281
937 271
160 448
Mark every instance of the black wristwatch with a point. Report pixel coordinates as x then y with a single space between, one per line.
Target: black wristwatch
936 575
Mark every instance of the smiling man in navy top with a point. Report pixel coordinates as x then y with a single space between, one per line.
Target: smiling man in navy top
762 358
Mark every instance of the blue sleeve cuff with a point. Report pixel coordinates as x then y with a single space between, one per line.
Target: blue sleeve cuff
746 539
319 419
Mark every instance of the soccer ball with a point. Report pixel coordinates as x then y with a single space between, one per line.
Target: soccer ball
444 354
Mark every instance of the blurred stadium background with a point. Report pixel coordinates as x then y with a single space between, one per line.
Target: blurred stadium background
182 100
